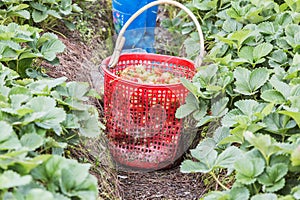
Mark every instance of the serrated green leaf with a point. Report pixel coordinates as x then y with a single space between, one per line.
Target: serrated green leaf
9 159
230 119
39 16
190 86
9 179
88 189
262 50
266 28
192 45
205 75
293 5
32 141
273 96
266 196
38 6
41 103
56 173
248 82
244 179
240 36
295 156
246 53
51 48
23 13
219 108
185 110
46 37
279 56
264 143
296 60
200 112
294 115
231 25
46 85
71 121
46 115
239 193
273 174
203 149
189 166
279 124
25 165
205 120
217 195
10 44
30 55
228 157
284 19
292 35
37 193
69 182
52 119
6 131
248 168
221 133
268 109
242 76
20 6
90 127
54 14
275 187
50 170
258 78
248 107
18 99
11 143
9 54
78 90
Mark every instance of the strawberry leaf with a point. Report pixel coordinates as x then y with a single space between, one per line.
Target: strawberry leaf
9 179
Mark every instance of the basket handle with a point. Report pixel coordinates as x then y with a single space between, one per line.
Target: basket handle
121 39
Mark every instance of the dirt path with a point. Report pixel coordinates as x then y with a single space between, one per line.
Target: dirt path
166 184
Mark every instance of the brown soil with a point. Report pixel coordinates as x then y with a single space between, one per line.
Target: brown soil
80 62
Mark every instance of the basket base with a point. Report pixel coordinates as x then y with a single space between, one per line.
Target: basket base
142 158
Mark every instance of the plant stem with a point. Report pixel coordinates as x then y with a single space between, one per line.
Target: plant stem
255 188
57 32
17 66
218 181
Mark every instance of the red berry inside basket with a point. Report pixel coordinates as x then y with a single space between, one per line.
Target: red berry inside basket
142 74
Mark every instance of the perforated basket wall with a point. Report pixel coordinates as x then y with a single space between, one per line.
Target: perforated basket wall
140 118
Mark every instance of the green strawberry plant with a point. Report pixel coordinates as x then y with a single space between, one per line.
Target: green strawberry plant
22 45
38 119
40 12
249 86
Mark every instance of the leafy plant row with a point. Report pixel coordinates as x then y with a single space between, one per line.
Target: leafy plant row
39 116
43 13
248 89
22 45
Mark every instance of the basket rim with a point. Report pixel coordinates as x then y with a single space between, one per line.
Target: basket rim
105 62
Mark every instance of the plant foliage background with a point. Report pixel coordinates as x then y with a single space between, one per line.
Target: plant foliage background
248 89
40 117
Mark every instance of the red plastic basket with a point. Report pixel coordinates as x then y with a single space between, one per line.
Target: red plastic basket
141 125
140 118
